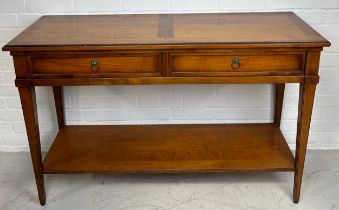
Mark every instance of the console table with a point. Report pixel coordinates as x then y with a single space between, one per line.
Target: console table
243 48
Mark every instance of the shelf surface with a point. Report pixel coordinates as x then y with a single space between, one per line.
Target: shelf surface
169 148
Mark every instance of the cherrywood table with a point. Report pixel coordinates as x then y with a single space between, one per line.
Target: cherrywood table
251 48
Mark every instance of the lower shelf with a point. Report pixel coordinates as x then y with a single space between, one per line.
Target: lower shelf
169 148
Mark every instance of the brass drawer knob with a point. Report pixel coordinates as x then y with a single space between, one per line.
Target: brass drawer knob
235 63
95 67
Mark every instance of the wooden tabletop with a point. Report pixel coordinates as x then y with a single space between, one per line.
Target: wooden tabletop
279 28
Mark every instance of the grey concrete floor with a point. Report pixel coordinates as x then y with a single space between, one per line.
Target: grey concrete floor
273 190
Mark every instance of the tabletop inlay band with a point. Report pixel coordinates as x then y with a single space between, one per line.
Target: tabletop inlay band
166 26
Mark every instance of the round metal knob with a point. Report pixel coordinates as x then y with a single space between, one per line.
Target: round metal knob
95 65
235 63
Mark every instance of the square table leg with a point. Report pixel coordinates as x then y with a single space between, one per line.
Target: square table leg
279 99
29 107
59 107
306 98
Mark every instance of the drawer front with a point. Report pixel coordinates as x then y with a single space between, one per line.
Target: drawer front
219 64
133 65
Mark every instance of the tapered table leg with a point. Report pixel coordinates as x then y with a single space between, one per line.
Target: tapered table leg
59 107
279 99
306 97
29 107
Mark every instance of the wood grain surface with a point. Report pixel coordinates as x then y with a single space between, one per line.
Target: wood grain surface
72 31
169 148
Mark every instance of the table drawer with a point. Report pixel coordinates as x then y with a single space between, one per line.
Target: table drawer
133 65
219 64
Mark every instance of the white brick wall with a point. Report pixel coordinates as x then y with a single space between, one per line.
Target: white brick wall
144 5
170 103
49 6
94 5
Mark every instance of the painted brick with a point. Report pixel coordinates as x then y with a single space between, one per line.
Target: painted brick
74 115
126 101
215 101
95 6
1 78
243 114
67 98
333 16
325 113
105 115
244 89
8 77
249 101
291 101
8 90
149 114
49 5
48 127
98 90
19 127
289 114
27 19
328 101
327 4
44 91
7 64
192 5
43 102
104 102
288 126
328 138
7 34
10 115
1 145
241 5
330 74
13 102
334 47
5 127
149 101
7 148
292 89
171 101
192 114
92 102
290 4
11 142
8 21
12 6
2 103
329 31
148 90
313 17
4 54
193 89
328 88
46 115
145 5
194 101
15 140
325 126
